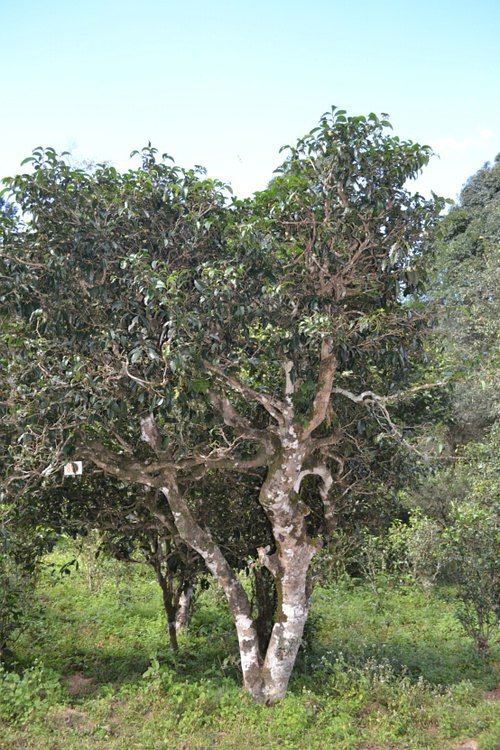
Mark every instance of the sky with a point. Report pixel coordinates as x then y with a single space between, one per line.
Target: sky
225 84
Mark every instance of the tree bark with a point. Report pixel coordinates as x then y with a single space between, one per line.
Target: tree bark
170 608
264 590
291 616
201 541
289 564
185 607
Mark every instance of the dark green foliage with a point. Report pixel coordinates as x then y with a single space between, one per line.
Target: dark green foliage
118 286
464 289
471 549
18 601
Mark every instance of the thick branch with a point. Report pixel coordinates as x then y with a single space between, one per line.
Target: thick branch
119 466
224 461
324 473
327 368
232 418
272 405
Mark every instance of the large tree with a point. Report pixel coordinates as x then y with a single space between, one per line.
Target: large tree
162 333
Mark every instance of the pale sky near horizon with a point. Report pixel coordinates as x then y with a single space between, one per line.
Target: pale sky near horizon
225 84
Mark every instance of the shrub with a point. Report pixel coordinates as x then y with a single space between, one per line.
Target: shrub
416 549
16 598
471 547
463 553
24 694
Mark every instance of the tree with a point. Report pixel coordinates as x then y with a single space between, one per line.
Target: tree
463 289
460 495
267 337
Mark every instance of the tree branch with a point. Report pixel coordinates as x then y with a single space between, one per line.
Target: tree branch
232 418
119 466
271 562
324 473
367 396
150 433
327 369
273 406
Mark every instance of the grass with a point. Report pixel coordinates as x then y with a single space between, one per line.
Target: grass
99 674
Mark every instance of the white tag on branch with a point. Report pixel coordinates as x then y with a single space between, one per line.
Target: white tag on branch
73 469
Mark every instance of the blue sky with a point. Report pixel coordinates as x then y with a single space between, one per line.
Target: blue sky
225 84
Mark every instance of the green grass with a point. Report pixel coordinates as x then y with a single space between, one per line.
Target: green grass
400 676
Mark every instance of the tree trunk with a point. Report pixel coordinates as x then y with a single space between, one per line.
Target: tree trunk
289 564
291 615
265 679
185 607
201 541
264 587
169 607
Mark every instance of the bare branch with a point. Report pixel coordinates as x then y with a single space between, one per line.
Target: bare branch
367 396
271 562
357 398
289 386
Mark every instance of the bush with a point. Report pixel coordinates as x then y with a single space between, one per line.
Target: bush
471 547
21 695
463 553
16 598
416 549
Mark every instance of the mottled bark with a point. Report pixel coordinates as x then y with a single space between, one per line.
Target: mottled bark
201 541
291 616
185 607
289 564
264 589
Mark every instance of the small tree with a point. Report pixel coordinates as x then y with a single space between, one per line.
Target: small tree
471 551
266 338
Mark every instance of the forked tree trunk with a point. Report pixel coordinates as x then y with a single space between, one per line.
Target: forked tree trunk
265 678
285 447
